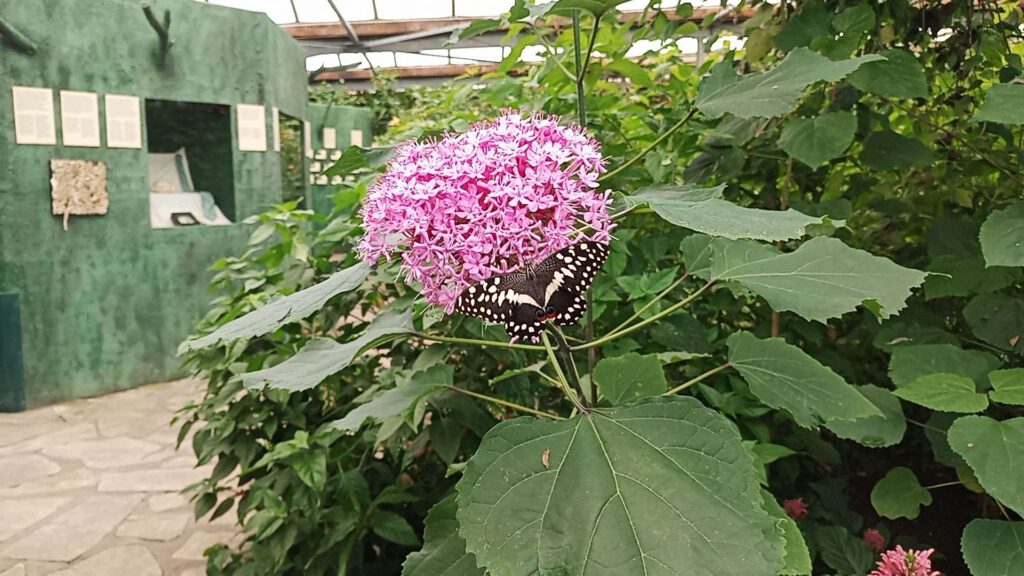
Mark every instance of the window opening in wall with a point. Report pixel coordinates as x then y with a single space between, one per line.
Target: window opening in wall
191 170
293 177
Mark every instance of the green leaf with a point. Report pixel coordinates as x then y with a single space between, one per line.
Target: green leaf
995 451
660 477
910 362
311 467
815 141
277 313
810 23
997 319
446 437
822 279
797 556
855 20
887 150
874 431
1009 386
321 357
702 210
595 7
842 551
1002 237
785 377
775 92
636 73
965 276
393 528
899 495
475 28
1003 103
630 377
444 551
993 547
396 401
898 76
356 158
945 393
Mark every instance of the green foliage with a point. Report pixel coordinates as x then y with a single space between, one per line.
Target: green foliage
776 209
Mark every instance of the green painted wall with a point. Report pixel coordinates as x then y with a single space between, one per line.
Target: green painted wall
343 119
103 306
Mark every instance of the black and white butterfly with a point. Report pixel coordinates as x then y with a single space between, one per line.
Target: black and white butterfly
553 289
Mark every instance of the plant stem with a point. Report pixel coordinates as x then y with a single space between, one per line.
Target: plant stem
943 485
562 382
650 146
693 381
554 55
619 333
651 303
926 426
506 403
494 343
581 102
570 366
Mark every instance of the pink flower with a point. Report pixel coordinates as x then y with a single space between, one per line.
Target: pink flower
468 206
900 562
874 539
795 508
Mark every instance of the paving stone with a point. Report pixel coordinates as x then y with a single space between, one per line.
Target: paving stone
180 462
63 434
165 502
71 533
21 469
107 453
63 482
12 433
159 527
20 514
192 572
16 570
159 480
198 542
126 560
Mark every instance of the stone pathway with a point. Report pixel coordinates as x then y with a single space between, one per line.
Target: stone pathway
91 488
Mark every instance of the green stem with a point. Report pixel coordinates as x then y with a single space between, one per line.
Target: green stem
943 485
471 341
554 54
650 146
562 382
573 376
506 403
619 333
651 303
581 103
926 426
693 381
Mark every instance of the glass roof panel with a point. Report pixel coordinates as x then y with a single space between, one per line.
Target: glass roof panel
406 9
482 8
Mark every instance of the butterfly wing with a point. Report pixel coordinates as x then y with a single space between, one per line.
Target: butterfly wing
501 300
568 274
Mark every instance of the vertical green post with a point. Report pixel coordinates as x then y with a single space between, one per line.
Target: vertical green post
12 375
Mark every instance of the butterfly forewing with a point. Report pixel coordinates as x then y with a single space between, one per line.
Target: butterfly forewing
552 289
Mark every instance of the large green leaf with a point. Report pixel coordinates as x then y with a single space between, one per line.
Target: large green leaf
703 210
1009 386
997 319
627 378
1002 237
785 377
321 357
595 7
899 495
964 276
910 362
887 150
277 313
1003 103
874 431
772 93
995 451
398 400
811 22
898 76
653 488
822 279
444 551
815 141
393 528
842 551
798 557
945 393
993 547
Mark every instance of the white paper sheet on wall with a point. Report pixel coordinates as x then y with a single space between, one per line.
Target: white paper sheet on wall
124 121
277 128
252 127
33 115
355 138
80 118
330 138
307 139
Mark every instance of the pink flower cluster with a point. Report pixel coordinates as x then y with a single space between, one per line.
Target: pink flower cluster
468 206
900 562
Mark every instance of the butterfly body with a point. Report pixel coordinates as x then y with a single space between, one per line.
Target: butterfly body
551 290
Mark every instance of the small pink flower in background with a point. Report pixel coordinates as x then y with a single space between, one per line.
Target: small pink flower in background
468 206
795 508
900 562
874 539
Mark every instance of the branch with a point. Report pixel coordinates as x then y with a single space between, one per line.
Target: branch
650 147
16 38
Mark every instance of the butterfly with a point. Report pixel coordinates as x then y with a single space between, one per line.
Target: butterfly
553 289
